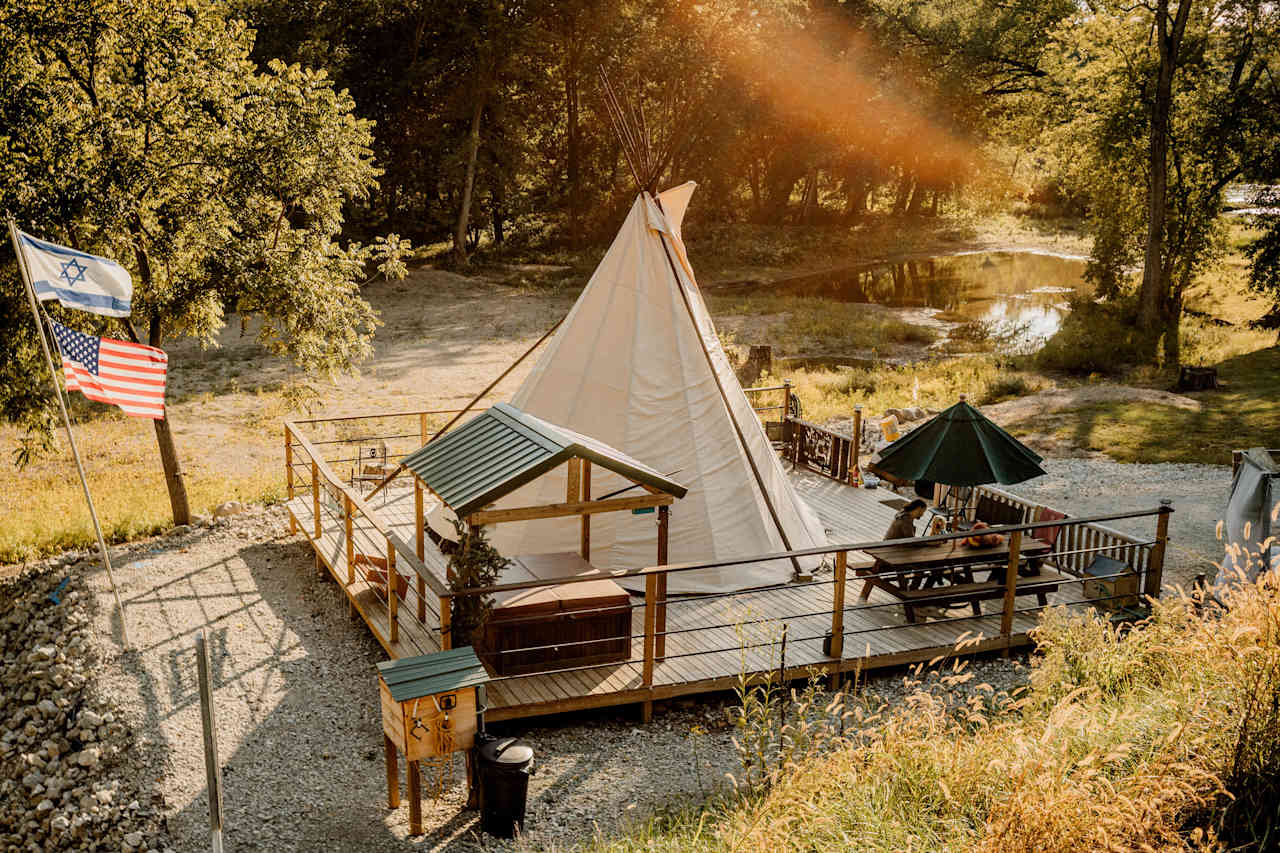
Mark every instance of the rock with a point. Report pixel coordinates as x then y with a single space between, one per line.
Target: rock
47 708
180 530
228 509
44 806
91 719
133 840
89 757
40 653
60 823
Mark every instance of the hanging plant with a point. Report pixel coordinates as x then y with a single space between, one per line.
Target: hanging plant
475 563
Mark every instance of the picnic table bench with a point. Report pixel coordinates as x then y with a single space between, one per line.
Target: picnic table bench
934 574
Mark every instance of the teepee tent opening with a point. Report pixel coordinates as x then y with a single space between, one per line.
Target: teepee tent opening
637 364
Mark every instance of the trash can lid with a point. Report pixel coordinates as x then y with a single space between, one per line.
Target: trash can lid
507 751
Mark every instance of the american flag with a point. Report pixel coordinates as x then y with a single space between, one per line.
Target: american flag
127 375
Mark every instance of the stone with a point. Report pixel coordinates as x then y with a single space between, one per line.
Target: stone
228 509
89 757
91 719
44 806
40 653
60 823
133 840
47 708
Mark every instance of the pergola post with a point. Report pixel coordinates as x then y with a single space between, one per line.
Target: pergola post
586 519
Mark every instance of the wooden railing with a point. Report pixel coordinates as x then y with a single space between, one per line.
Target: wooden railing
776 601
342 524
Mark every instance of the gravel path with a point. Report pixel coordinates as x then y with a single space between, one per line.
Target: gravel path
298 729
1199 493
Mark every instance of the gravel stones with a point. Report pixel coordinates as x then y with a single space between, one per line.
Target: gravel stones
58 743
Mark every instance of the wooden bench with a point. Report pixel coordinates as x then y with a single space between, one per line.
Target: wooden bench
560 626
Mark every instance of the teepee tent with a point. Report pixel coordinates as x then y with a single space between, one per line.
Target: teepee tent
637 364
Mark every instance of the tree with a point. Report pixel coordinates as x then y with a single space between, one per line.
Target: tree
148 135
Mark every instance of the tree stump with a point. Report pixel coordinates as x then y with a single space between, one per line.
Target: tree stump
1198 379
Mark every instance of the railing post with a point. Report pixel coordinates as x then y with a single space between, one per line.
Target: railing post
350 543
660 641
1155 562
837 615
856 451
788 434
1010 589
650 627
288 471
420 532
315 496
446 622
422 427
393 593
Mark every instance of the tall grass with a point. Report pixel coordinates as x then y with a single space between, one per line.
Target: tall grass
1162 737
827 393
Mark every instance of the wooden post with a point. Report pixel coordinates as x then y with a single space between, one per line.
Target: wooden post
1155 562
393 595
446 622
419 520
1010 588
350 543
422 427
664 524
586 519
650 625
315 496
288 471
837 614
393 773
413 778
856 450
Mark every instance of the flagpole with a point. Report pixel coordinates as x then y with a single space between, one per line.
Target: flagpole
66 421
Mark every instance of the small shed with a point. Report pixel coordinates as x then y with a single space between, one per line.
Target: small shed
432 706
577 616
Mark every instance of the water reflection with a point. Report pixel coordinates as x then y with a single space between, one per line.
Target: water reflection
1022 291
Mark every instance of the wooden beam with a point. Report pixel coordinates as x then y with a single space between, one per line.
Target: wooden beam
315 497
837 605
393 773
393 594
288 471
855 451
1010 588
419 519
350 543
530 513
446 622
573 481
1155 562
664 517
414 780
585 548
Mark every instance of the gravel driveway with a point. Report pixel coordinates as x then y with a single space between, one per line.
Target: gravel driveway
1096 486
298 728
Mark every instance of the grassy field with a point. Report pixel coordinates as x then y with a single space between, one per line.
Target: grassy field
1244 413
1169 740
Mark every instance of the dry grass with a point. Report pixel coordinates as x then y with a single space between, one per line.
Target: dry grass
1121 743
810 326
832 393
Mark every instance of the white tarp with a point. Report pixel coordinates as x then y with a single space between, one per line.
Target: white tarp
1251 518
627 368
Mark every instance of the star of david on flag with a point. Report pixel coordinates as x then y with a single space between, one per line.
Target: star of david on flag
77 279
127 375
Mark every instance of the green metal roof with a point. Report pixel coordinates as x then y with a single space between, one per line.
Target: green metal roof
500 450
424 675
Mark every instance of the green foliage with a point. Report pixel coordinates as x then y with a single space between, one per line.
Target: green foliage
474 563
147 134
1095 337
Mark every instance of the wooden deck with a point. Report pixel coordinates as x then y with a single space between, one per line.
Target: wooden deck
710 640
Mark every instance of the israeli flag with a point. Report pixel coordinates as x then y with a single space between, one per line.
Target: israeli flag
76 279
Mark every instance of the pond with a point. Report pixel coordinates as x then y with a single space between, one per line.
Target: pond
1021 294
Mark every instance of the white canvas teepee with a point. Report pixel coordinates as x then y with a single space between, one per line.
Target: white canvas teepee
637 364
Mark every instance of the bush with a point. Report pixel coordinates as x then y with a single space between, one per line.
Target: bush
1096 337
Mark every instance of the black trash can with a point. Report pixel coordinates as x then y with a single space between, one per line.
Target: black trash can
504 766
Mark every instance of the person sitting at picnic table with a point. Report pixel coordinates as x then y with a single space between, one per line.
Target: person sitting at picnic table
904 523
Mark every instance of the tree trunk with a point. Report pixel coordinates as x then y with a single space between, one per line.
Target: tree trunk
810 203
174 476
1156 273
468 184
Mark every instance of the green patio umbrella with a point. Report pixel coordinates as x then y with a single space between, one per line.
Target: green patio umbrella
960 447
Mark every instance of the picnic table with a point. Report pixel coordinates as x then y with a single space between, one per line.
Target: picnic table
942 573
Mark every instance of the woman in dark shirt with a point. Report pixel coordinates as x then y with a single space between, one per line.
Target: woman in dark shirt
904 523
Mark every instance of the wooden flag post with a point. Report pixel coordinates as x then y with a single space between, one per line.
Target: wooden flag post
66 421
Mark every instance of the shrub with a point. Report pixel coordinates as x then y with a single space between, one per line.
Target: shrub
473 563
1096 337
